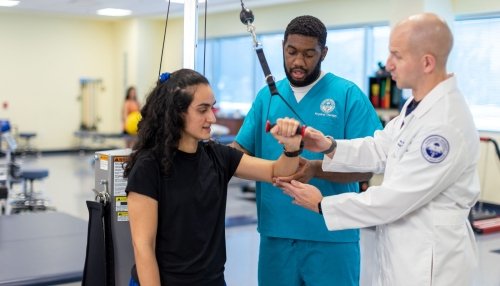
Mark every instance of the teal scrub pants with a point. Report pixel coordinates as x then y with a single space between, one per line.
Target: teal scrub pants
290 262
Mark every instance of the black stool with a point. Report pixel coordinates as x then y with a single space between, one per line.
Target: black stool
28 200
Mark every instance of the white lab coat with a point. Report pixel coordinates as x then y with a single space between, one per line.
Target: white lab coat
430 183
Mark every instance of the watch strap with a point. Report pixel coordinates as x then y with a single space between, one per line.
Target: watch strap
332 146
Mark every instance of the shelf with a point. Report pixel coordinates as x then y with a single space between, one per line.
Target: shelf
384 93
393 112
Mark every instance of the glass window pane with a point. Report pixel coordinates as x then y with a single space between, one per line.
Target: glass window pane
232 79
345 56
476 62
380 47
273 49
204 63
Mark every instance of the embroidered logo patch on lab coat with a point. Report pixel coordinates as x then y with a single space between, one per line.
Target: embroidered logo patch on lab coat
435 148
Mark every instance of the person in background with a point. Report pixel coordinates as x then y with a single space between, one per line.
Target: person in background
296 248
178 180
428 154
130 106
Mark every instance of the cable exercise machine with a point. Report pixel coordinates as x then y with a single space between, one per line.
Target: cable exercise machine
485 217
247 18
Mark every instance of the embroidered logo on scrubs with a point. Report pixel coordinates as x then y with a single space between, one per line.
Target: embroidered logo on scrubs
327 106
435 148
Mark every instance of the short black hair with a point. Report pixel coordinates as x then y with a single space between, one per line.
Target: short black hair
307 26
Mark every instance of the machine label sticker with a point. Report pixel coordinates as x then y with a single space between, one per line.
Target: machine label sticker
103 162
119 183
122 216
435 148
121 204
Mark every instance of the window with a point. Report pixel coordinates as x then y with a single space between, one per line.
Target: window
273 49
353 53
476 63
228 66
380 48
233 69
345 56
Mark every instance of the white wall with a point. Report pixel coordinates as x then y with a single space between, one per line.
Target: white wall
41 62
138 49
43 57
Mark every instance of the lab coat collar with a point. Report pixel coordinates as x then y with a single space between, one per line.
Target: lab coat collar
440 90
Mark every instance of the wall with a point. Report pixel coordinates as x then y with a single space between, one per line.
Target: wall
138 52
275 18
44 57
42 60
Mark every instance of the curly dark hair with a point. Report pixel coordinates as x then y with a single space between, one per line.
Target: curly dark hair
159 130
307 26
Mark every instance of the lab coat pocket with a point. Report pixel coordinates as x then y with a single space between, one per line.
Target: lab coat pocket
454 248
412 260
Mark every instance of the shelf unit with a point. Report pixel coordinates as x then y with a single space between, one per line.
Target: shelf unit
384 93
385 97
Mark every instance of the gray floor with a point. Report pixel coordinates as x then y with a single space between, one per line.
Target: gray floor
71 181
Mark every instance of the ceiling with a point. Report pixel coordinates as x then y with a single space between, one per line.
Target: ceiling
139 8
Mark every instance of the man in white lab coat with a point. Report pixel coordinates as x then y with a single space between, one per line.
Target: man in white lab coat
428 155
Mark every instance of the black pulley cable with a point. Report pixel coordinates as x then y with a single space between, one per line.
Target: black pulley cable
164 36
247 18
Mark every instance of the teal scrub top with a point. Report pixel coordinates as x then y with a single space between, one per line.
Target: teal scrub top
336 107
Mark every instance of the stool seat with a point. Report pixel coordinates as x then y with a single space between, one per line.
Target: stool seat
34 174
30 200
27 148
27 135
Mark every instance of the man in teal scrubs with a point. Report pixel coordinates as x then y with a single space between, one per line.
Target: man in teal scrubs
295 246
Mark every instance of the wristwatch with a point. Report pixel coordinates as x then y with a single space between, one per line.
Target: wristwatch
332 146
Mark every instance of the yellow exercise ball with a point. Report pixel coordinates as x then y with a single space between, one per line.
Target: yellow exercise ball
132 121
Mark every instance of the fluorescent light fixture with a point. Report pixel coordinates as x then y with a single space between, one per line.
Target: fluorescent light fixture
182 1
8 3
113 12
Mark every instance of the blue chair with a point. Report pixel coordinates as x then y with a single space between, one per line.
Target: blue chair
28 200
27 147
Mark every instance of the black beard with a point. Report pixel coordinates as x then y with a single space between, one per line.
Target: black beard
308 80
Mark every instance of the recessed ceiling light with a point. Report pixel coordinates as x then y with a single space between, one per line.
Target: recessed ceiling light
8 3
113 12
182 1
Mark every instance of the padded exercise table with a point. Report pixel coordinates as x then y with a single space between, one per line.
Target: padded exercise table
43 248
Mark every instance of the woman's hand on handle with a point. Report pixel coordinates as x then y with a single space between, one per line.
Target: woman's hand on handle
285 132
